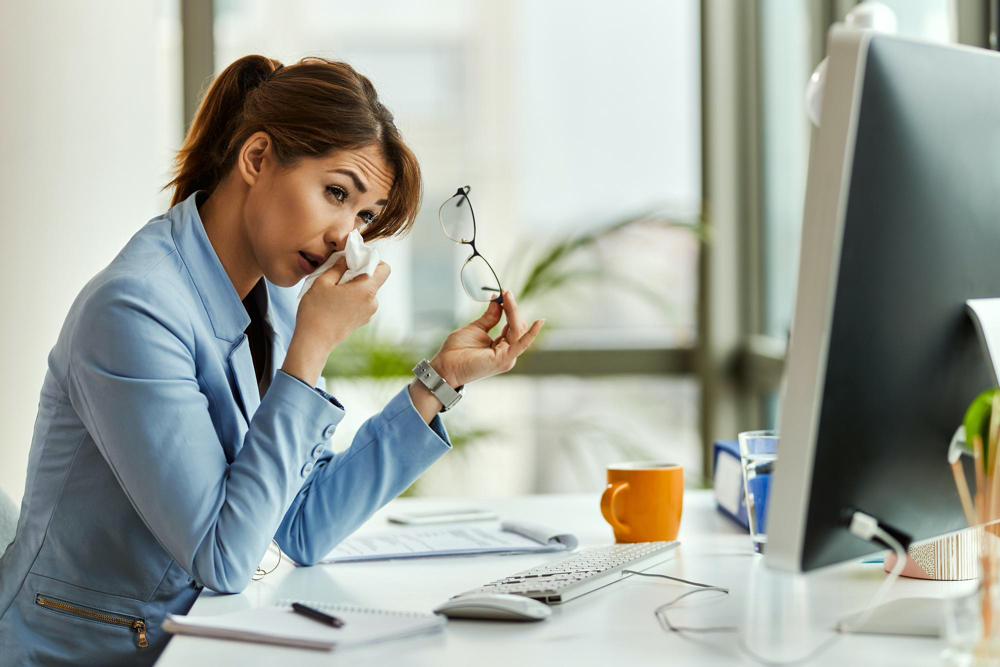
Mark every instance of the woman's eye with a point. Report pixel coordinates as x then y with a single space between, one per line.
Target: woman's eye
338 193
366 217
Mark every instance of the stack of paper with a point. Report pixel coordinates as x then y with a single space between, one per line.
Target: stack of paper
456 540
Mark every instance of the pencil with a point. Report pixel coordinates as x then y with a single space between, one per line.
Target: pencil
992 478
994 431
963 492
977 455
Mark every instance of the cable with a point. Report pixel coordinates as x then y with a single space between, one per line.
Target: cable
897 569
862 526
683 581
660 612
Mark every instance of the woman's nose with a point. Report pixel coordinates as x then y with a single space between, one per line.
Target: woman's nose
336 236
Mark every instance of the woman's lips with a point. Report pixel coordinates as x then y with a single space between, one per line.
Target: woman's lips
306 265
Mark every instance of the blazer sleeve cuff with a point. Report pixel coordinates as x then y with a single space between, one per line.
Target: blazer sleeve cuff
321 392
298 397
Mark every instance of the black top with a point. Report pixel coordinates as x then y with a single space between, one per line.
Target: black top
257 334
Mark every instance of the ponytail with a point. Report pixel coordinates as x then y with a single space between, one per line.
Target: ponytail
309 109
199 163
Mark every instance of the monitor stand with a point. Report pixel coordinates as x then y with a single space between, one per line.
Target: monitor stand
914 617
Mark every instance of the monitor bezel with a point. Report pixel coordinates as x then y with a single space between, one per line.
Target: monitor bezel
827 190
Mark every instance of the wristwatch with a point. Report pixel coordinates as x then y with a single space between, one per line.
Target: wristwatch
442 390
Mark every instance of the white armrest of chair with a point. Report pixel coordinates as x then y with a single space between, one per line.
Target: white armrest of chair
8 520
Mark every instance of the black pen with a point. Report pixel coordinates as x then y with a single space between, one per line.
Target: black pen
317 615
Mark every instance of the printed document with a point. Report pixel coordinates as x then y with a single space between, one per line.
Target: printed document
455 540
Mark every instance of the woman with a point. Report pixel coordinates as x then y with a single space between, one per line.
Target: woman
180 426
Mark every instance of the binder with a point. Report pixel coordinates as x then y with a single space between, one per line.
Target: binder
727 480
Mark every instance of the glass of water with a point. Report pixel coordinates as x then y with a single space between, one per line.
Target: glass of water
758 454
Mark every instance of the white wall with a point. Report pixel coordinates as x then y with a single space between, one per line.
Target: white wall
77 178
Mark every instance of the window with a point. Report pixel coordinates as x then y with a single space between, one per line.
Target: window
564 117
785 67
787 60
924 19
168 108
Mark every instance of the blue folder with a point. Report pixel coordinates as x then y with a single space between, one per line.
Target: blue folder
728 485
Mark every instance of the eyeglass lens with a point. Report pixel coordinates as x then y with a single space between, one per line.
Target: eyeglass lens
479 281
457 220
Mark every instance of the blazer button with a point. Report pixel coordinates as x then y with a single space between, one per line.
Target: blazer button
307 468
318 450
329 431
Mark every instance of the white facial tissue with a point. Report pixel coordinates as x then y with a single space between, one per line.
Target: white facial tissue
361 258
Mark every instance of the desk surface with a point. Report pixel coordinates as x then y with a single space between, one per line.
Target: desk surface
780 615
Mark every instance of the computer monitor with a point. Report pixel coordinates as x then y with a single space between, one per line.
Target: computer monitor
901 226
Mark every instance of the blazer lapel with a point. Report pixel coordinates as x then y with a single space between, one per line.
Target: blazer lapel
241 364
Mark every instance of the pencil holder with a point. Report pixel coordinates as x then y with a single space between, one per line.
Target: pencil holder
972 622
951 558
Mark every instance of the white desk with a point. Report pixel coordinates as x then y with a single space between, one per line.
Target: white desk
781 616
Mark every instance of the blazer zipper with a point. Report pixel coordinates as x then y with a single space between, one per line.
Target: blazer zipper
137 624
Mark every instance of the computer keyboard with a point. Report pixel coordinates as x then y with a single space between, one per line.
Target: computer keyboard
584 571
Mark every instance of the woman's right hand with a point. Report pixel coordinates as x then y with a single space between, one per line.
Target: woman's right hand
327 314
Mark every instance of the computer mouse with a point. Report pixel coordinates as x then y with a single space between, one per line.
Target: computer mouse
495 607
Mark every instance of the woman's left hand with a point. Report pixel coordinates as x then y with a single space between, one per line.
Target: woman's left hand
470 354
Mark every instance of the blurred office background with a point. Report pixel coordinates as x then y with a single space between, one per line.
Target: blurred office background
637 170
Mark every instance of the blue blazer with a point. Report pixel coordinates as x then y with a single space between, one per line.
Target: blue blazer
156 469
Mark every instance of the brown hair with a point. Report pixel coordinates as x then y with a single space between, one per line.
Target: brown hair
309 109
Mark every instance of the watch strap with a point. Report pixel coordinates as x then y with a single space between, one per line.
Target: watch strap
437 385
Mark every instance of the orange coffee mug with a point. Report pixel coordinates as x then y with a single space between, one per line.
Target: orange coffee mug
643 500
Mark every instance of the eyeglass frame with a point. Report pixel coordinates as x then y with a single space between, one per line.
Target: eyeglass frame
464 192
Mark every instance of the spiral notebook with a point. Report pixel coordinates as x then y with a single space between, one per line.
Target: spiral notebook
280 625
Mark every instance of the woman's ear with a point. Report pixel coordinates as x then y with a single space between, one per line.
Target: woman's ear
251 158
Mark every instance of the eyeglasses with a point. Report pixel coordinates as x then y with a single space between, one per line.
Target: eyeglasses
459 224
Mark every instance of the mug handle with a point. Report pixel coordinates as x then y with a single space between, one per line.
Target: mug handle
608 506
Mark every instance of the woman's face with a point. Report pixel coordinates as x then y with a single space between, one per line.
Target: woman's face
296 217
